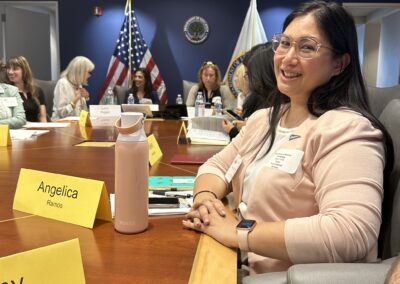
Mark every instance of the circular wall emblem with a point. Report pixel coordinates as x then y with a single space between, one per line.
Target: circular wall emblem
196 29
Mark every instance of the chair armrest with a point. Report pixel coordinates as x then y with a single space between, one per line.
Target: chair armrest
342 273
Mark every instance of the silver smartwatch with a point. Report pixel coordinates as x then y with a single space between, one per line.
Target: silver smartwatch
243 229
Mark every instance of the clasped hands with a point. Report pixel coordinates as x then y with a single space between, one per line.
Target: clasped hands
208 216
81 93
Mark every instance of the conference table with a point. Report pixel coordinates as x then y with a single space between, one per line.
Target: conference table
164 253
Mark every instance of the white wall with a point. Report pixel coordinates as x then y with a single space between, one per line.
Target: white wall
389 51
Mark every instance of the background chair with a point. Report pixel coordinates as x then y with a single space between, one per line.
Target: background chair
120 92
228 100
354 273
379 97
48 90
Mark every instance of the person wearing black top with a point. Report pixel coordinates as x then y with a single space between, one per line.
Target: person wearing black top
19 74
142 89
209 84
261 80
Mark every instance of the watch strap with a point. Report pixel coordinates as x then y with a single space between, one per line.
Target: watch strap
242 237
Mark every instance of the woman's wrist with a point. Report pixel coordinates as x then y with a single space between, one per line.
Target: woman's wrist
209 192
72 104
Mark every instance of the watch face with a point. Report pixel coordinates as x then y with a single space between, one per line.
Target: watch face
246 224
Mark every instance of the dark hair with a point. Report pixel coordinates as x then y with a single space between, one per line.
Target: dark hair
3 73
148 87
259 62
346 89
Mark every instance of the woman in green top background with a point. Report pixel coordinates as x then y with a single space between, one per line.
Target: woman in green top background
11 108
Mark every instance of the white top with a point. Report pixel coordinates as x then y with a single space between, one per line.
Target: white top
261 160
64 93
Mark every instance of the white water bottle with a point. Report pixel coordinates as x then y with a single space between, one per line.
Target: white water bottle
199 105
110 96
179 100
131 175
131 99
217 105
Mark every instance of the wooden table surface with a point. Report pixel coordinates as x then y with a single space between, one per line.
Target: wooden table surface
162 254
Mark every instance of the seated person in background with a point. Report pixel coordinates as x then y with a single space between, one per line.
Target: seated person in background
142 88
298 169
20 75
256 79
209 84
11 108
69 95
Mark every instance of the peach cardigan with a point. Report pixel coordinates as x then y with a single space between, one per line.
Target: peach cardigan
331 204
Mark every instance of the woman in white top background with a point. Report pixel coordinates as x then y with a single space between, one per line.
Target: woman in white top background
69 95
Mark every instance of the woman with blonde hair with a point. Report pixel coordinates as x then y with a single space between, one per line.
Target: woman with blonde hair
69 95
209 84
19 74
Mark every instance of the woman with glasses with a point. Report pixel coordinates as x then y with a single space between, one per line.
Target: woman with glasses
142 89
209 84
69 94
20 75
307 174
12 110
256 79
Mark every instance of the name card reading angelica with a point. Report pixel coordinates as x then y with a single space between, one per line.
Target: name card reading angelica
45 265
65 198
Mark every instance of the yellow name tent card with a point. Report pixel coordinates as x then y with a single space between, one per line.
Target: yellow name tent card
155 153
60 263
84 119
5 137
65 198
183 131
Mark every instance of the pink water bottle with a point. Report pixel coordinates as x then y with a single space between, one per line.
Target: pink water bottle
131 174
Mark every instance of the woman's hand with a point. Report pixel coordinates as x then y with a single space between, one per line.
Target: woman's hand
220 227
84 93
199 213
240 123
227 125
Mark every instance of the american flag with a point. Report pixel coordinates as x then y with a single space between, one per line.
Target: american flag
117 73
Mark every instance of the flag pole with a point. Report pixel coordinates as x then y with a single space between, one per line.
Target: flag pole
129 4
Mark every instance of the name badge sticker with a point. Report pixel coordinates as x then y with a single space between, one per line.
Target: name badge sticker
233 168
9 101
286 160
65 198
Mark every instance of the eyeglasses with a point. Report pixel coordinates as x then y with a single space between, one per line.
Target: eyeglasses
306 47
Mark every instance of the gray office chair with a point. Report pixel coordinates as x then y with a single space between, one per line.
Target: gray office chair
120 92
379 97
353 273
48 90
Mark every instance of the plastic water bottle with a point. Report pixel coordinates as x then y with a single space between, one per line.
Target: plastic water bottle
110 96
199 105
217 105
179 100
131 99
131 175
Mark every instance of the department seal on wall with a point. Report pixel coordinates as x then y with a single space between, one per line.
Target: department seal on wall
196 29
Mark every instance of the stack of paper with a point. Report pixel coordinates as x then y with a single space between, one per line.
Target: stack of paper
207 130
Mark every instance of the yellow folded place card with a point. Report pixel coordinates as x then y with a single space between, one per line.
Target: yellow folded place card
65 198
60 263
84 119
183 131
155 153
5 138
